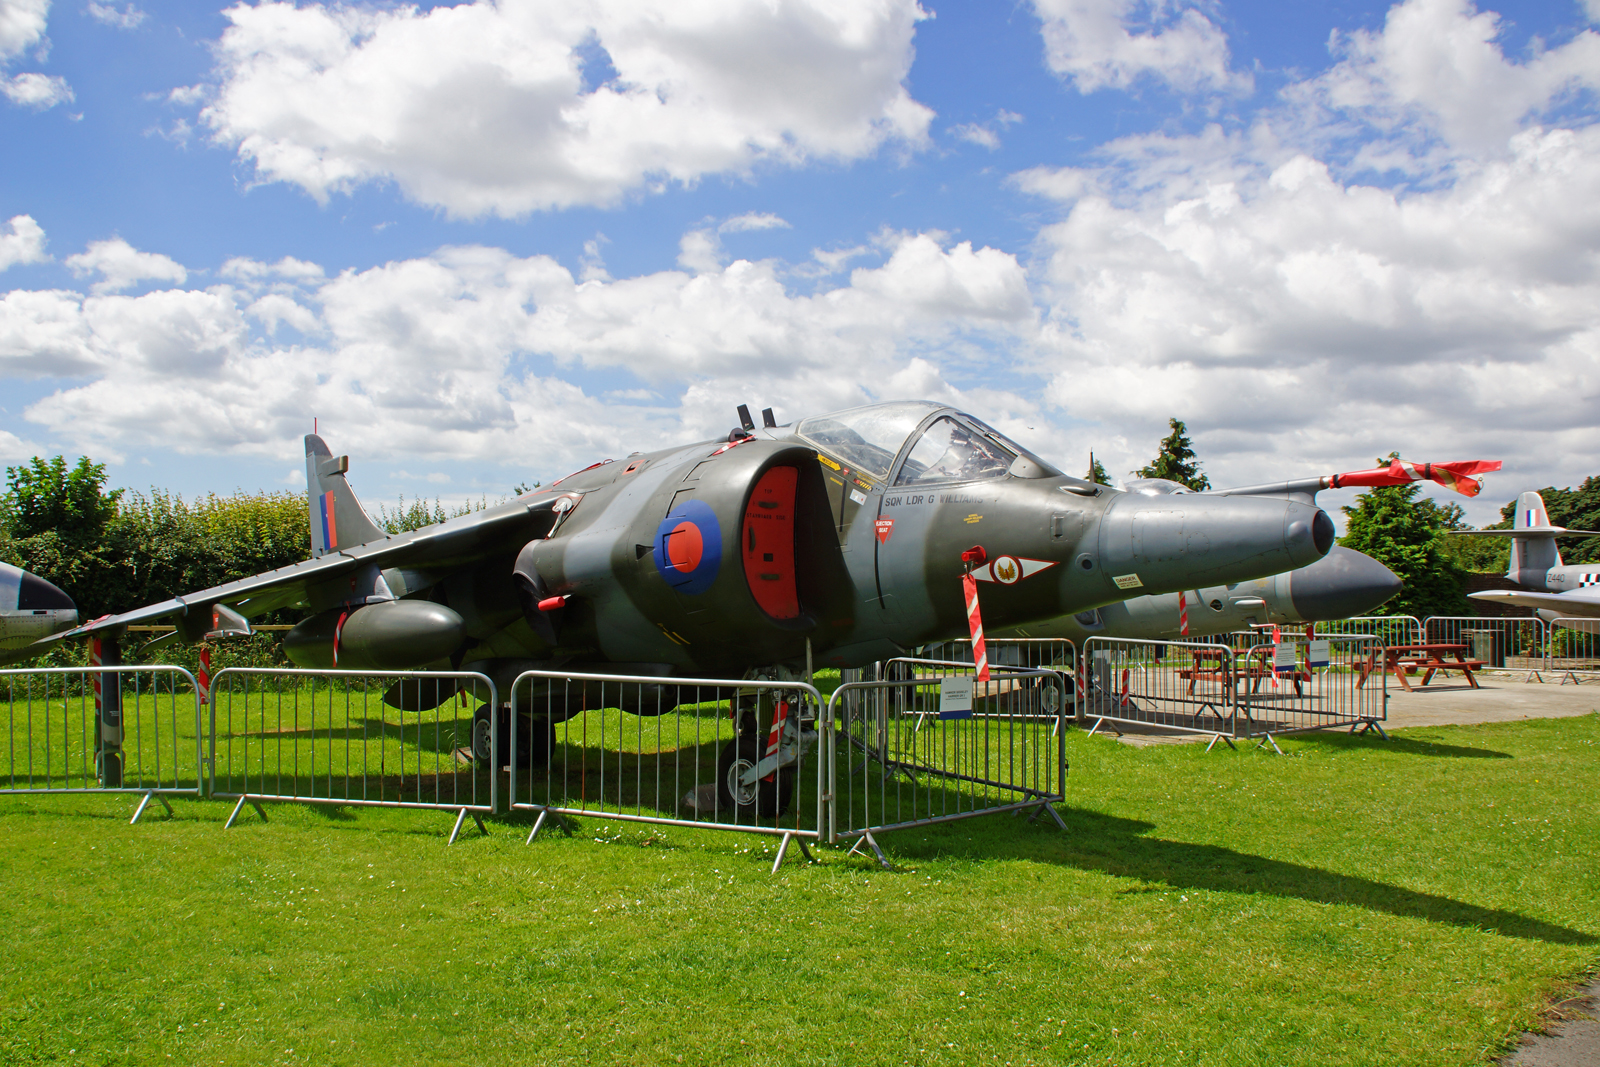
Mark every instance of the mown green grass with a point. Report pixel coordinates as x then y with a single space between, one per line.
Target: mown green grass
1355 902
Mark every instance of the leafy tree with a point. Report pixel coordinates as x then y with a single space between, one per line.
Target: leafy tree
43 496
1406 535
1175 461
1097 472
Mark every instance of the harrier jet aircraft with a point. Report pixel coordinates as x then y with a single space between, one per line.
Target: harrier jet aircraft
840 536
1553 588
31 609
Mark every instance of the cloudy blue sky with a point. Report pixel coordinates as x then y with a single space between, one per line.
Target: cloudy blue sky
491 243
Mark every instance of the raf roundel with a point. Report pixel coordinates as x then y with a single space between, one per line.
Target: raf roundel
688 547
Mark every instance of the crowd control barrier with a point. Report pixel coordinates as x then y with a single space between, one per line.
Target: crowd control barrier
1390 629
1498 642
397 739
102 729
713 753
926 742
1572 651
1327 682
1182 686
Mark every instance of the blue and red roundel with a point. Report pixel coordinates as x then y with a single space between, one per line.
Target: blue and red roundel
688 548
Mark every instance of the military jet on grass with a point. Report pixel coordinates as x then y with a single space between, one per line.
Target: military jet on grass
1552 588
31 610
1342 584
838 538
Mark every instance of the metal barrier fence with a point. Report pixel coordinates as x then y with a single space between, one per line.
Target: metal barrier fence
1498 642
926 743
1184 686
1573 649
1327 682
1059 654
1390 629
713 753
396 739
102 729
1046 653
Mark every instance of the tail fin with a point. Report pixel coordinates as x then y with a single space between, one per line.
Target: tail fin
1533 550
337 518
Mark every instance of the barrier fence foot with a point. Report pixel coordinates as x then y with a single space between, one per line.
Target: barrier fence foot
1224 738
145 803
783 848
1371 724
1054 814
870 842
538 824
461 819
237 807
1266 739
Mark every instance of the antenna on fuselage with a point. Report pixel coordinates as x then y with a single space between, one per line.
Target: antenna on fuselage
768 419
744 418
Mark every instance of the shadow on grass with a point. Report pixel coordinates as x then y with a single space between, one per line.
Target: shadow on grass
1406 745
1121 847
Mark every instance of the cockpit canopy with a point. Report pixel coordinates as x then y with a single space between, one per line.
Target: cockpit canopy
1155 487
938 444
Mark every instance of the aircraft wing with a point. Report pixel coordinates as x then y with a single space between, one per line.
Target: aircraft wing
1580 602
448 544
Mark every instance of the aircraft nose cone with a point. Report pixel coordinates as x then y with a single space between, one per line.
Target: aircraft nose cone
1167 543
1343 584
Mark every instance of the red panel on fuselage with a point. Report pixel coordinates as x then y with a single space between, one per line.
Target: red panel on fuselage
767 543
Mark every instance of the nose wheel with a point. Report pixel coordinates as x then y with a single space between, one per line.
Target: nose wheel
759 798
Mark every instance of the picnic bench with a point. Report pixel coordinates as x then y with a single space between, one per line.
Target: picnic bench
1405 660
1211 664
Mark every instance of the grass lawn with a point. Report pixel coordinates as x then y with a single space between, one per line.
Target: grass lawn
1355 902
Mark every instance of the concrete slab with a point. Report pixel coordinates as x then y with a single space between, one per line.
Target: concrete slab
1573 1037
1501 696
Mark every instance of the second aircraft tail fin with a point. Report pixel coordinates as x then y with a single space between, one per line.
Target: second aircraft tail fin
1533 549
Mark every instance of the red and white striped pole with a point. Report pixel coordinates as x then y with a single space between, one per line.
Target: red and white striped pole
973 557
1183 613
205 674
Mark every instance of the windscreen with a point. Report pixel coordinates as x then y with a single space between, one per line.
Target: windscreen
866 438
950 452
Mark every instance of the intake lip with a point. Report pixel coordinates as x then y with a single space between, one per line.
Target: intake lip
1341 585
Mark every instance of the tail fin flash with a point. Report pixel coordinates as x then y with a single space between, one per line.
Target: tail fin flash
1534 554
1530 512
337 518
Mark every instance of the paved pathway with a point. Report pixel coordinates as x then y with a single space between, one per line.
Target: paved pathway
1572 1042
1500 697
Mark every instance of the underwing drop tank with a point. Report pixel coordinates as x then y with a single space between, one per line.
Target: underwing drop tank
389 636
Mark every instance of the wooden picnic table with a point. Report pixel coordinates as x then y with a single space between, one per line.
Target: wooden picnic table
1402 660
1211 664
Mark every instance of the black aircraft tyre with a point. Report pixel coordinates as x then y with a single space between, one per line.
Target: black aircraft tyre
765 798
536 738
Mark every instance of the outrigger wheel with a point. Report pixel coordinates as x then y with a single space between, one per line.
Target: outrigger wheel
535 738
766 798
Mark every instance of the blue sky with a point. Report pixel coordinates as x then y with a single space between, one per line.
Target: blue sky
487 244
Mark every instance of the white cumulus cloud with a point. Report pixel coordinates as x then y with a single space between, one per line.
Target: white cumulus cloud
122 266
22 25
528 105
38 91
125 19
473 352
1262 286
1112 44
22 241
